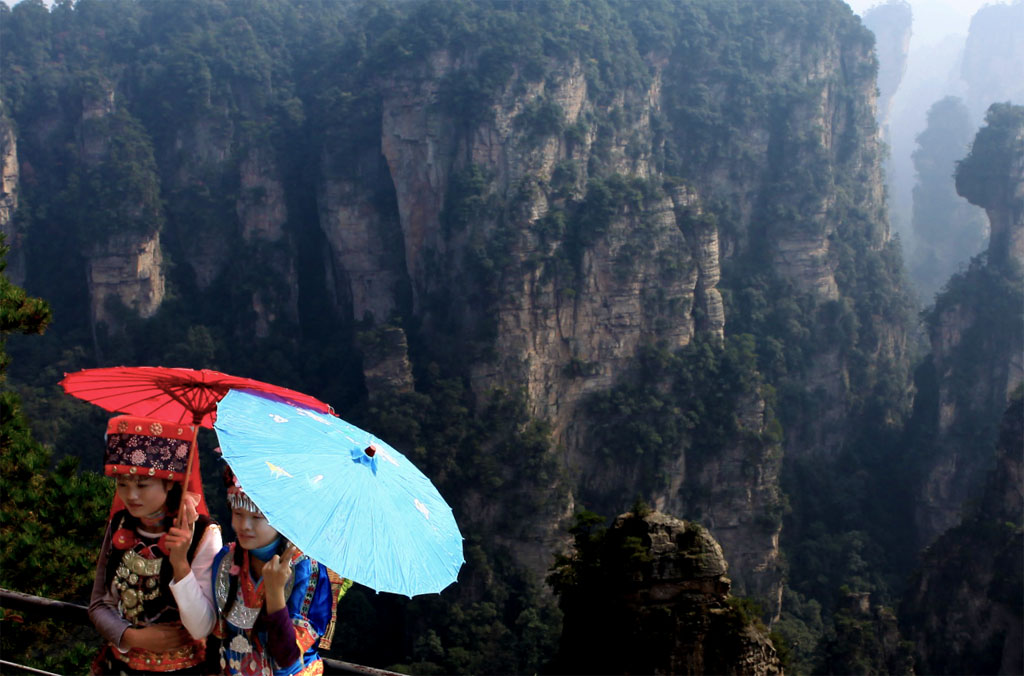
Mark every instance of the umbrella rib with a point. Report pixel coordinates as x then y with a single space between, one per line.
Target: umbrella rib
114 390
115 401
205 397
164 403
192 406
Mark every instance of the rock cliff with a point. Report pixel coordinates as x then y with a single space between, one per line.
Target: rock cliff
124 257
867 640
964 611
9 175
128 269
746 518
386 361
660 605
367 267
537 198
975 329
575 256
992 177
891 23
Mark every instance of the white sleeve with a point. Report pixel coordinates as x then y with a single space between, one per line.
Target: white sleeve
194 592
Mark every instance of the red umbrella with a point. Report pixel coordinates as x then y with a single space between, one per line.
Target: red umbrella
172 394
179 395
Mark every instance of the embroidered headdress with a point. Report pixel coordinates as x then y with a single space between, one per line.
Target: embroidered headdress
237 498
147 447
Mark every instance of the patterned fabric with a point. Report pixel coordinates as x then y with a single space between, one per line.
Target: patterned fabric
244 649
339 586
147 447
111 661
188 657
142 573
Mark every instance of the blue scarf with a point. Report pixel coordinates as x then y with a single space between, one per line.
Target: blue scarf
266 552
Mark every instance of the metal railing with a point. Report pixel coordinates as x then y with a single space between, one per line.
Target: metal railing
72 612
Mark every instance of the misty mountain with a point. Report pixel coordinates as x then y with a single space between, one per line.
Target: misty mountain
980 67
569 257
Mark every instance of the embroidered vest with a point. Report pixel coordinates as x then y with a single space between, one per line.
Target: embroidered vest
143 586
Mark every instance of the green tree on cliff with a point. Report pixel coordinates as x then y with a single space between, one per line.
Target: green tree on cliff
982 176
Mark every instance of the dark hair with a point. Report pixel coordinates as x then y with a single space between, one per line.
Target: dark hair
233 578
172 503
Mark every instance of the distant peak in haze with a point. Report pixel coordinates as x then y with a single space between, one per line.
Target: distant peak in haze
933 19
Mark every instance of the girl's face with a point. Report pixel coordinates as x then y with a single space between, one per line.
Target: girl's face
142 495
252 529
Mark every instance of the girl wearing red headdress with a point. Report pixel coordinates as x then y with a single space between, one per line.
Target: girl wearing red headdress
152 597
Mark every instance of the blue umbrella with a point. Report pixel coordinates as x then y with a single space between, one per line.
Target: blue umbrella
342 495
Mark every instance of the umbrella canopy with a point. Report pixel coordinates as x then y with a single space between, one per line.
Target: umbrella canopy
345 497
174 394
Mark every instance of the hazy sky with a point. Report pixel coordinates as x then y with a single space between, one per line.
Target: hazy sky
934 19
932 71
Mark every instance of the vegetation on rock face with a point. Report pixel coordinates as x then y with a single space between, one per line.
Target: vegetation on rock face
983 176
138 116
976 328
496 620
971 580
839 530
648 595
866 640
994 298
119 192
970 576
675 401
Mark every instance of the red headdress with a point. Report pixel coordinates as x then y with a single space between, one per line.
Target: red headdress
139 446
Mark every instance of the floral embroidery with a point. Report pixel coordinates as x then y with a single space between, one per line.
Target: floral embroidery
161 453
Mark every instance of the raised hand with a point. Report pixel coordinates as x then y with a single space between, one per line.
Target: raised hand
276 572
188 512
178 541
179 537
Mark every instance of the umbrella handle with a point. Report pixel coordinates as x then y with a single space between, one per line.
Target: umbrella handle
180 519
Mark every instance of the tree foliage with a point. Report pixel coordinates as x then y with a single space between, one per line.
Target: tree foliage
982 176
51 517
678 402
